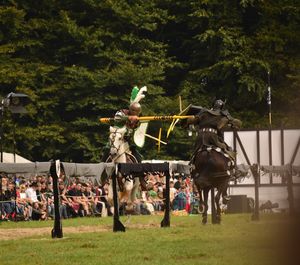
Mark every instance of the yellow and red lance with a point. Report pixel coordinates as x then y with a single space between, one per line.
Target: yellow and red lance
140 134
150 118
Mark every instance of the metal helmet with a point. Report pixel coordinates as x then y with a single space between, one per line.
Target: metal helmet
135 108
218 104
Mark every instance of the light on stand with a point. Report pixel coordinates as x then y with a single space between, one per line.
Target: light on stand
15 103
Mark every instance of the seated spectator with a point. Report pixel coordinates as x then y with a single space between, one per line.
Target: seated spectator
2 196
31 193
75 197
8 205
25 209
141 205
179 202
64 203
39 212
89 197
173 191
41 194
102 195
49 196
178 182
152 197
44 187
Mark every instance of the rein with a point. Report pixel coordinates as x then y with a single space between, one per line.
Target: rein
112 141
117 148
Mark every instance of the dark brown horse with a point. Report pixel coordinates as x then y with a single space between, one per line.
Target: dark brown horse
211 170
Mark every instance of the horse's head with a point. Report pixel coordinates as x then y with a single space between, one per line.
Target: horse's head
116 139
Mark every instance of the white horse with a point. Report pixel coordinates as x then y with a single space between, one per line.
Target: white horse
120 153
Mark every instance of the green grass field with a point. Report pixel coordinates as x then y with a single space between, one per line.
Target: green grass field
237 240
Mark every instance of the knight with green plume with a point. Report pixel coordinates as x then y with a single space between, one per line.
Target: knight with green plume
129 117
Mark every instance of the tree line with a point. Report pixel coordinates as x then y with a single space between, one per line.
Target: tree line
78 61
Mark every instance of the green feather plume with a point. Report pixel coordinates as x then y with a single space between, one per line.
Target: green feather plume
134 93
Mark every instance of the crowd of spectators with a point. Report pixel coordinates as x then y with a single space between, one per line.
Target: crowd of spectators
32 198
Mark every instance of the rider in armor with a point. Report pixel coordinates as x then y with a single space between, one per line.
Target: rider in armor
128 118
131 123
211 123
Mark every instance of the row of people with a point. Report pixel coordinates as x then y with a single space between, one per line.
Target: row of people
32 199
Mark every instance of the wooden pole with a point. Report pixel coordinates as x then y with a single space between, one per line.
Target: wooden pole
166 220
256 175
290 191
117 226
57 230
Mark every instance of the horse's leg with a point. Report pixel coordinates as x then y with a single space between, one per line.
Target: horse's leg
110 195
217 203
225 197
213 205
130 207
222 189
124 188
205 196
201 207
125 196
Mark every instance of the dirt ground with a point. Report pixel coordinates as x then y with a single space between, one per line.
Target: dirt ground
17 233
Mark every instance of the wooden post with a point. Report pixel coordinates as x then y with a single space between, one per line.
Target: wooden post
290 191
57 229
256 175
290 181
1 197
117 226
166 221
270 153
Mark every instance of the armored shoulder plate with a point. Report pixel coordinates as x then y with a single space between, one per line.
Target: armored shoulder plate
226 113
210 111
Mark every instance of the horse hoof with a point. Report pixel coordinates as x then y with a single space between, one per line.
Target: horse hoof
218 220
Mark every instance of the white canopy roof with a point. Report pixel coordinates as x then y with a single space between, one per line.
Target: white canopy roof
9 158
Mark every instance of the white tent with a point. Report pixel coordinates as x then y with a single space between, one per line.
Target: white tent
9 158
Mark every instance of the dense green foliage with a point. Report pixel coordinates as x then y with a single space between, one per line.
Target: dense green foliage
78 60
